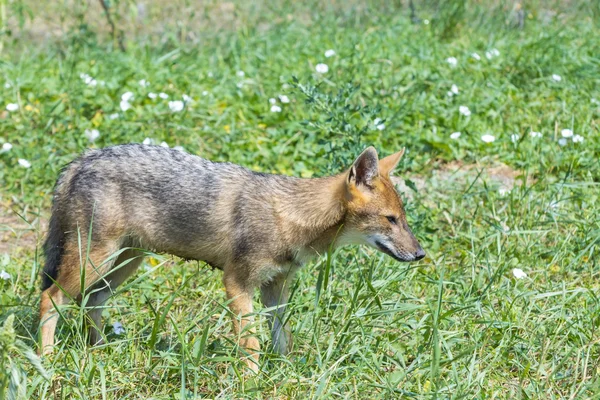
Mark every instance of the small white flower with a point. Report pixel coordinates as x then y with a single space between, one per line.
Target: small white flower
503 191
144 83
535 134
330 53
179 148
425 22
595 101
125 105
210 74
12 107
241 74
566 133
556 77
205 93
492 53
164 144
452 61
454 135
476 56
577 139
562 142
113 116
6 147
376 121
464 110
118 328
322 68
176 105
488 138
163 95
148 141
275 108
454 89
240 85
88 80
273 100
24 163
518 273
4 275
7 85
380 127
92 134
152 95
514 138
284 99
186 98
127 96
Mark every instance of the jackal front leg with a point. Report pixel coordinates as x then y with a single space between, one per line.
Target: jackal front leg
275 294
240 304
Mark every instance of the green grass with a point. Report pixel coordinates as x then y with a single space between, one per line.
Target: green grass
455 325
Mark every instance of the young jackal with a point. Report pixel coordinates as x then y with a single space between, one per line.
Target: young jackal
259 229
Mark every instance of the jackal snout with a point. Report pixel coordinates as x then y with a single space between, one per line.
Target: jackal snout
375 211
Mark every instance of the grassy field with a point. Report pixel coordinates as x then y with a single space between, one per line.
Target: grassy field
498 107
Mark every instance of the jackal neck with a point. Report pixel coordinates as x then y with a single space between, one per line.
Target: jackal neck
315 205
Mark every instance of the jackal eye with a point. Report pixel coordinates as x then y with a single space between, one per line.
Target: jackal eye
392 219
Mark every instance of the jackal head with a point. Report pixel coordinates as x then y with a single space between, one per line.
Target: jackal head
375 213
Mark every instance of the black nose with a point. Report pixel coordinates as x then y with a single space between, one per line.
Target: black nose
419 254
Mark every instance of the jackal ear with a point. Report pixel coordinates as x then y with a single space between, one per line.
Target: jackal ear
365 168
388 164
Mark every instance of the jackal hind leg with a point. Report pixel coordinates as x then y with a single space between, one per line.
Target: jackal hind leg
240 294
275 294
124 266
68 284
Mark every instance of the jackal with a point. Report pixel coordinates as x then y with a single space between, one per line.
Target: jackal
258 228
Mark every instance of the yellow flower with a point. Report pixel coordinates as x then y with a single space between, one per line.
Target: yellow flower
554 269
227 128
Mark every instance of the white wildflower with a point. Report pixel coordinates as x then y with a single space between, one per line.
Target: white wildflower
492 53
556 77
12 107
4 275
92 134
164 144
476 56
376 121
163 95
7 85
127 96
24 163
113 116
595 101
273 100
125 105
502 191
514 138
454 89
425 22
186 98
88 80
6 147
176 105
118 328
452 61
464 110
566 133
562 142
322 68
518 273
148 141
275 108
205 93
241 74
577 139
284 99
144 83
535 134
152 95
179 148
488 138
330 53
380 127
455 135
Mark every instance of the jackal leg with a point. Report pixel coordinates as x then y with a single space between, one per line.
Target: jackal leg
240 304
68 285
276 294
125 265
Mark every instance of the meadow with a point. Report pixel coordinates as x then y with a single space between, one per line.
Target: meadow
497 104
